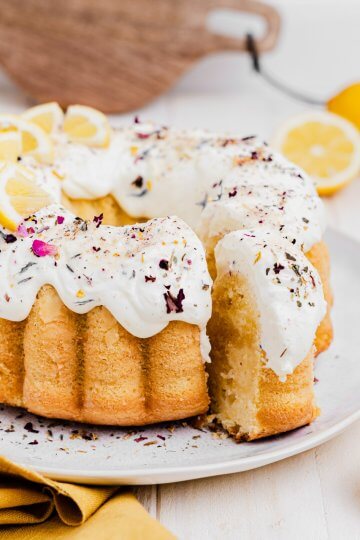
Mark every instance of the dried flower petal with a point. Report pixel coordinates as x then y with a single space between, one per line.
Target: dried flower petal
22 231
98 220
41 249
138 182
143 135
174 304
10 238
278 267
140 439
164 264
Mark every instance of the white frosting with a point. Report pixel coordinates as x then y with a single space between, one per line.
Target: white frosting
216 184
287 291
165 172
265 192
88 173
146 275
154 171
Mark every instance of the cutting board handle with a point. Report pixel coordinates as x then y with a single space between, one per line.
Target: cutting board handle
216 42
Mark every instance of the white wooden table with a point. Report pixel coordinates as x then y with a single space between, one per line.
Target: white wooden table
315 495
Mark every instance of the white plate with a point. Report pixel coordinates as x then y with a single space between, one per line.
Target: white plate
118 456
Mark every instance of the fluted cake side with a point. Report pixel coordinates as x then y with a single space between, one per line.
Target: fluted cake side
89 368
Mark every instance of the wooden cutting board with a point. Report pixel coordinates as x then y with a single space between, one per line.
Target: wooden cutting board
115 55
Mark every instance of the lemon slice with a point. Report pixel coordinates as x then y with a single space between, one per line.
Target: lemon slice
20 196
87 125
325 145
48 116
34 140
10 145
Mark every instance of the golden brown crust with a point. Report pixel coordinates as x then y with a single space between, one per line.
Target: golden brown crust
50 353
320 258
11 362
90 369
283 406
113 378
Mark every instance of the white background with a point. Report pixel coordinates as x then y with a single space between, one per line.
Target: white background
315 495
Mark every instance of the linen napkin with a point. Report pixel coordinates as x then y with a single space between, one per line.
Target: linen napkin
35 507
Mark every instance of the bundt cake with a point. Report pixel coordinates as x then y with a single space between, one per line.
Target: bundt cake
104 314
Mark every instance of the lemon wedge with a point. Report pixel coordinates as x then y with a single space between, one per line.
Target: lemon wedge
325 145
10 146
34 140
48 116
87 125
20 196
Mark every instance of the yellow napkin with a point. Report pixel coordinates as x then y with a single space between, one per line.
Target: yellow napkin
32 506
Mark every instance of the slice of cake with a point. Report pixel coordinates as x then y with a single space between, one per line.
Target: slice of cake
267 304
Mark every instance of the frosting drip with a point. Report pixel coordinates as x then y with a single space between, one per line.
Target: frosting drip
146 275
